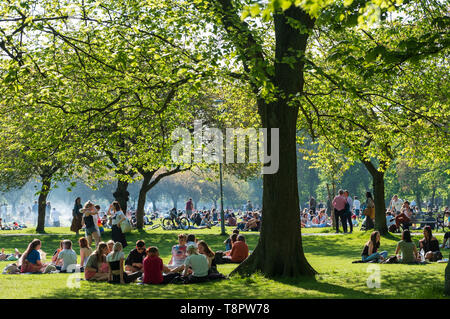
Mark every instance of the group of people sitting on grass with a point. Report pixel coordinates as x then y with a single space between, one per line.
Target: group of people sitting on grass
406 251
311 219
192 261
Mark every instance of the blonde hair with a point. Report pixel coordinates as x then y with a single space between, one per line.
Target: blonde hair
192 250
117 248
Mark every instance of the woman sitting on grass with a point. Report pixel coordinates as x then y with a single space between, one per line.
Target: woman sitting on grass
31 259
370 253
85 252
96 268
198 264
204 249
430 245
56 253
407 248
116 273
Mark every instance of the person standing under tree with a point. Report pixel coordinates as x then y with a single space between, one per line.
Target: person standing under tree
115 211
77 216
348 211
189 207
89 220
339 203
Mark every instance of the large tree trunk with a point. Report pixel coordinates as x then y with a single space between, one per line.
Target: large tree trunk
433 196
380 206
419 199
378 197
279 251
42 203
330 207
122 195
140 212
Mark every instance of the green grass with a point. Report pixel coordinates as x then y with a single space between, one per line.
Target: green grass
330 255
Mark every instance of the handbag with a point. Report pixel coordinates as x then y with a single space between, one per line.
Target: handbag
125 226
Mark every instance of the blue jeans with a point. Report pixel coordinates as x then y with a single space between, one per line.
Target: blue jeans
375 256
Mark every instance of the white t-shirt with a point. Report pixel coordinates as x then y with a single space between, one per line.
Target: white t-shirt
397 204
356 204
117 217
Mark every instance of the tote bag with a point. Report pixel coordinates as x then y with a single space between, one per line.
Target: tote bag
125 226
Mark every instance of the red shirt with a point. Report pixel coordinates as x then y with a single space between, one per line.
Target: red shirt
239 252
153 267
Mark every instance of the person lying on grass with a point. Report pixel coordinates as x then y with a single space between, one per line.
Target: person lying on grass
96 267
195 266
30 261
407 248
154 269
10 257
116 272
370 253
66 257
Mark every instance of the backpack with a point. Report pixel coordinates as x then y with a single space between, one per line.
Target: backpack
218 257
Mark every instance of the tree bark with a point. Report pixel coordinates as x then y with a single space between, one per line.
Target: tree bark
140 212
42 202
378 197
122 195
279 251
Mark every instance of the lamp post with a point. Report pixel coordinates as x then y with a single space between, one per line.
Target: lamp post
222 214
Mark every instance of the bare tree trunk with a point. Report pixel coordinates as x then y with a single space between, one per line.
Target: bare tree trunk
42 203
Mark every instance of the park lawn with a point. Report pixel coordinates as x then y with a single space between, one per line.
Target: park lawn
331 255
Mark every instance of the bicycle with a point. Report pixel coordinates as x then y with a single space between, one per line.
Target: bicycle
175 221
